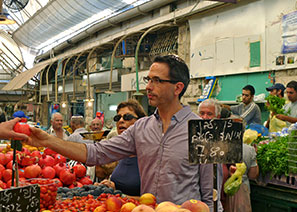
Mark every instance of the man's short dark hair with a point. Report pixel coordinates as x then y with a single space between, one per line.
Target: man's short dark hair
292 84
249 88
178 70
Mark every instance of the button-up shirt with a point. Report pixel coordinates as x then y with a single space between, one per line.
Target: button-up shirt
51 131
163 159
77 137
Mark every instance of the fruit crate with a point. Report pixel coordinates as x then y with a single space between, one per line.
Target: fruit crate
48 191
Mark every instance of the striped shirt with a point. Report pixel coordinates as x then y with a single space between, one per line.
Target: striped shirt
251 113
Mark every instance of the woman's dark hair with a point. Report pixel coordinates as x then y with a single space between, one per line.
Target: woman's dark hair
178 70
134 105
249 88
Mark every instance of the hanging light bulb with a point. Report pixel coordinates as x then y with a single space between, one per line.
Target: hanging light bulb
64 105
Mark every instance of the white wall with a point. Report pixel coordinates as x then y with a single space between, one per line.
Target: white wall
220 41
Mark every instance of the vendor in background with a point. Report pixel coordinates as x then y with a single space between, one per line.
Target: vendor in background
56 128
96 125
278 90
211 109
77 124
248 109
291 107
125 176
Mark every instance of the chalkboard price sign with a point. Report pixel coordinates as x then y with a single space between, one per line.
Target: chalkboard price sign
215 141
20 199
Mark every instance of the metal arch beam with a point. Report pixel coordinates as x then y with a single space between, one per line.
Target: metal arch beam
88 71
64 67
112 59
137 50
74 66
47 84
56 79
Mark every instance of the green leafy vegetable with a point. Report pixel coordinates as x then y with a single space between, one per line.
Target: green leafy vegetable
273 157
275 104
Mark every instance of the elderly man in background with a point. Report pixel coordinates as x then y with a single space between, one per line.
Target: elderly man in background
211 109
96 125
56 127
77 124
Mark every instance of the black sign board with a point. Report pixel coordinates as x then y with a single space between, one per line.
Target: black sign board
20 199
215 141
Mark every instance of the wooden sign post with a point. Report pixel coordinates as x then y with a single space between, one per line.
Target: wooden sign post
20 199
216 141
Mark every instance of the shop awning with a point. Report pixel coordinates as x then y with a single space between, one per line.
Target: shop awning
20 80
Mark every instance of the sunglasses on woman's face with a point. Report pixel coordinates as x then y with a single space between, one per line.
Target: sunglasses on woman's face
126 117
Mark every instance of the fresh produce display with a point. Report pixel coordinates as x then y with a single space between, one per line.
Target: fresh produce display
272 157
86 190
275 104
48 191
233 183
116 203
36 164
292 152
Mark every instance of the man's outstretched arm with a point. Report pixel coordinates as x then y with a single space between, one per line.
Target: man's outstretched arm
73 150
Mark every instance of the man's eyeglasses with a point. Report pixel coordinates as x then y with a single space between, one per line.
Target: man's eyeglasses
126 117
157 80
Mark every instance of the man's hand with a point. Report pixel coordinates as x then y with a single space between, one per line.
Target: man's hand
38 137
7 132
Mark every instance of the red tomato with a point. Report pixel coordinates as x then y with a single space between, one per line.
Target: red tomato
21 127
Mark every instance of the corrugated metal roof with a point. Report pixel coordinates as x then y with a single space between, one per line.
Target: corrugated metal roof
61 19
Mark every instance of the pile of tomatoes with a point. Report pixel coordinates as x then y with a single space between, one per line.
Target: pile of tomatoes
86 203
48 191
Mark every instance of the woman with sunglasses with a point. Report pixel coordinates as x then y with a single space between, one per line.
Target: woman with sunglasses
125 176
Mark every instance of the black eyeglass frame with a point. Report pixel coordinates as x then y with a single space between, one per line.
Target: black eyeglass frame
158 80
126 117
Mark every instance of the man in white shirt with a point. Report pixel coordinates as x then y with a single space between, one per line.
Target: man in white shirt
56 128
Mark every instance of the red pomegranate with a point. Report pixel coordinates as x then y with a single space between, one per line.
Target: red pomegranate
48 172
50 152
46 160
58 182
67 176
3 159
21 173
28 160
59 167
36 154
32 171
2 168
9 165
80 170
86 180
2 185
60 158
76 184
6 175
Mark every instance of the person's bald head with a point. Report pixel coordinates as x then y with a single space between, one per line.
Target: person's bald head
77 122
96 124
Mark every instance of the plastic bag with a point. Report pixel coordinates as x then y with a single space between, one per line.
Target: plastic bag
233 183
276 124
249 136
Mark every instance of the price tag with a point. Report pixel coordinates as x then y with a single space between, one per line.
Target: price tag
215 141
20 199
